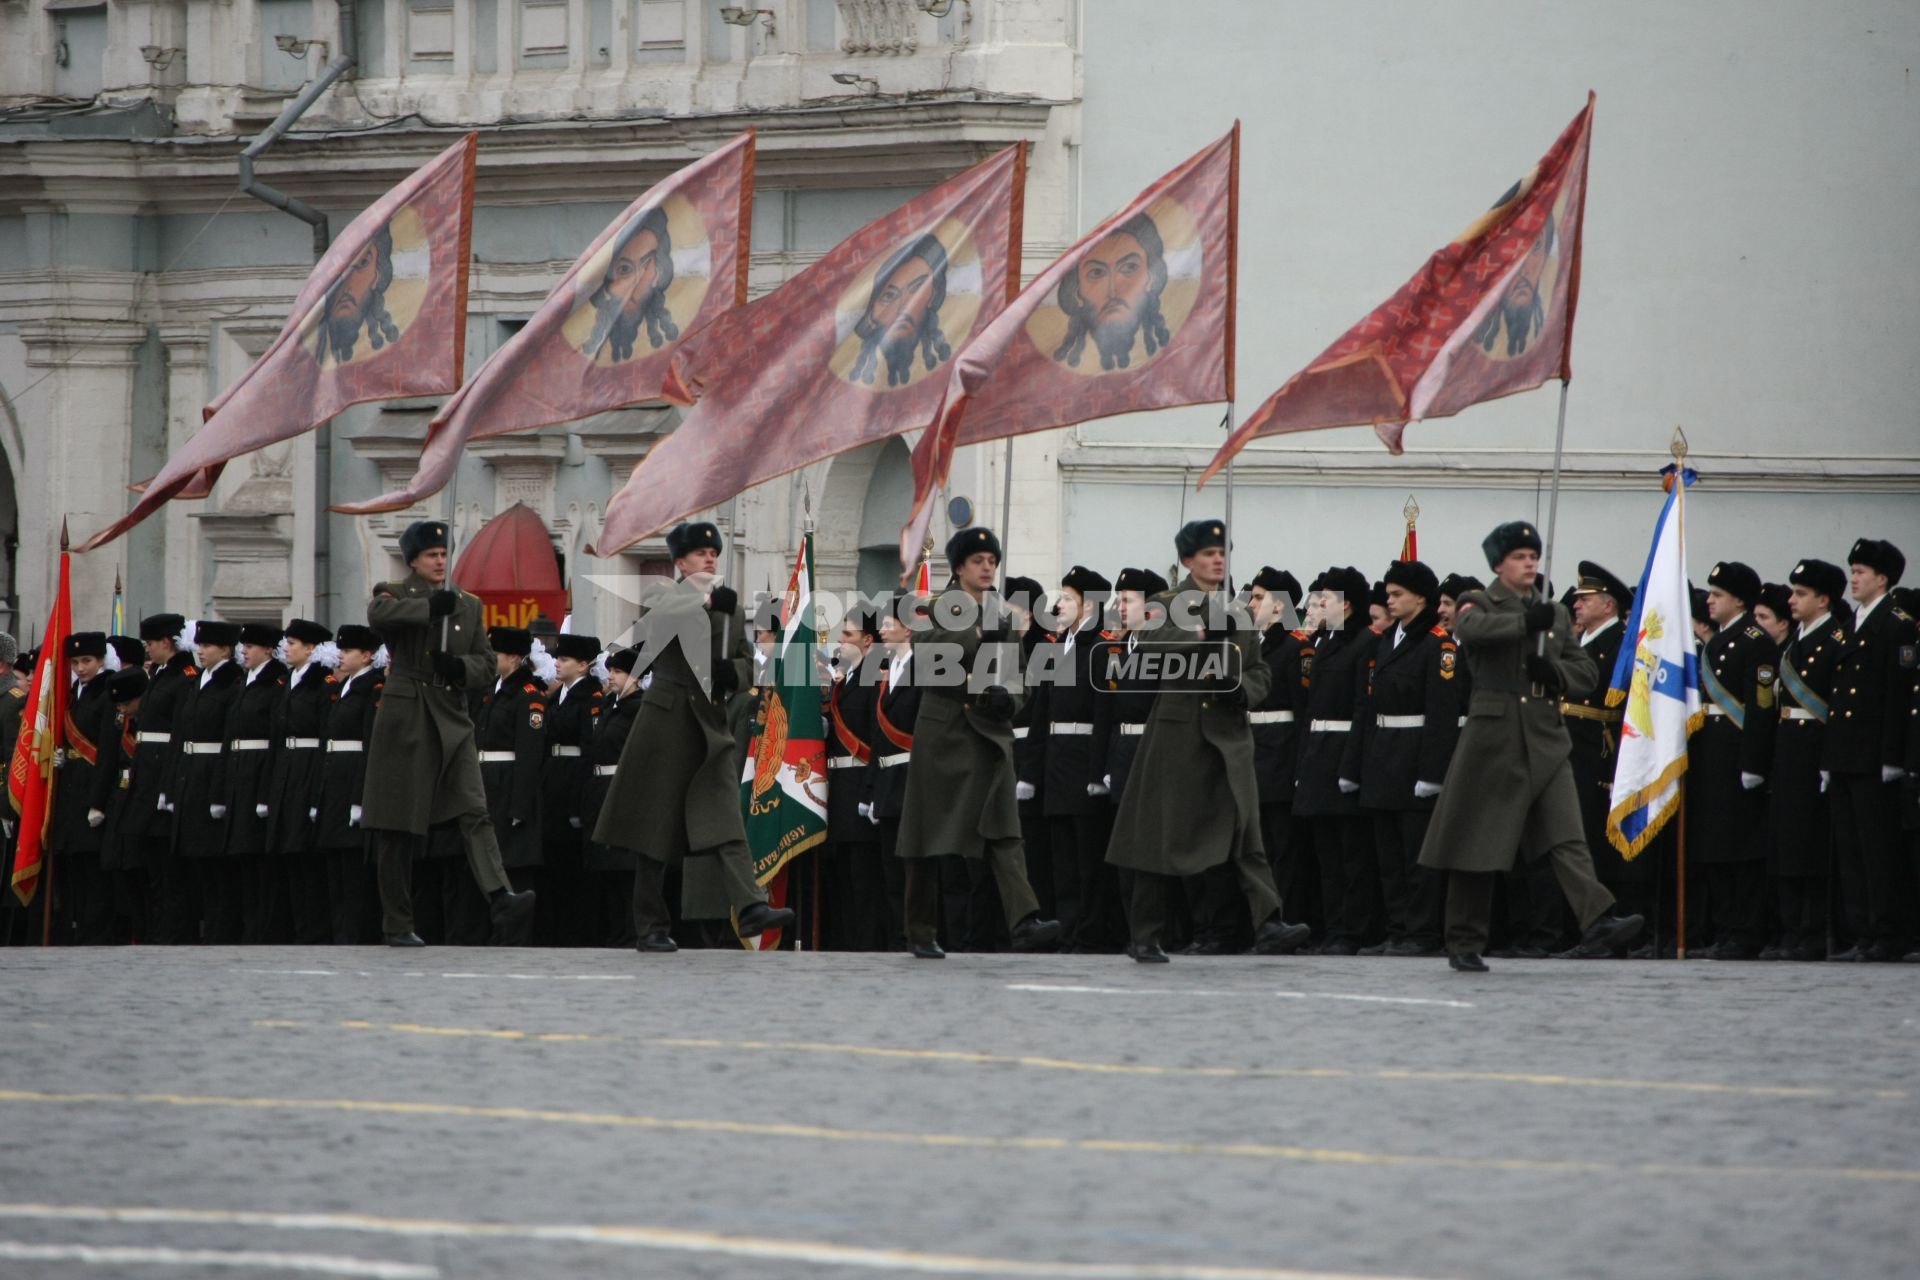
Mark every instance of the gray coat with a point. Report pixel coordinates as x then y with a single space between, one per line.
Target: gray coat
1510 787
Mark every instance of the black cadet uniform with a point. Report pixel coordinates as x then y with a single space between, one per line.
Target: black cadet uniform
510 729
1403 736
1728 759
890 731
1078 812
198 793
83 898
1277 730
353 895
855 918
1800 853
120 853
156 758
299 727
566 916
251 750
609 867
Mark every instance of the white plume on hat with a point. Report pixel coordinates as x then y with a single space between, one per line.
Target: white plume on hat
542 662
327 654
111 661
600 672
380 658
184 641
280 651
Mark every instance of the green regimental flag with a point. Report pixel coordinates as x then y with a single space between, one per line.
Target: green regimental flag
783 788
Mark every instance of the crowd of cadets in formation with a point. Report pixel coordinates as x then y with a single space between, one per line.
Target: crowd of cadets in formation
210 779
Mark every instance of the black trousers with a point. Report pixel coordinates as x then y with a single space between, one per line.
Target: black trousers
266 915
893 869
1802 904
1037 847
218 881
173 912
1536 909
1216 910
1412 895
1875 873
1147 906
1086 889
1003 862
310 896
1349 878
1290 856
651 913
853 895
1739 901
612 900
353 896
1470 896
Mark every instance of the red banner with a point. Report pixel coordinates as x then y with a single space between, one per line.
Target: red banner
31 777
673 262
383 315
1137 315
1489 315
849 351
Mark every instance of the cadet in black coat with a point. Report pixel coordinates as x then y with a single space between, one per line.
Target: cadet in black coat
1277 730
609 867
199 793
1728 759
170 918
1601 604
1023 597
566 917
83 901
120 853
1404 733
1866 756
353 895
1342 838
510 730
251 750
896 707
853 910
299 726
1123 697
1800 850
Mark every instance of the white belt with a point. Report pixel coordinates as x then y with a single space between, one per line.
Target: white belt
1021 730
605 770
1330 726
1133 730
298 744
844 762
202 748
1269 717
250 744
895 760
346 744
1400 722
1797 713
559 750
497 757
1070 728
155 737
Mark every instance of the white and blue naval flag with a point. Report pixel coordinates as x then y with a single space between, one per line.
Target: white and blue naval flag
1658 677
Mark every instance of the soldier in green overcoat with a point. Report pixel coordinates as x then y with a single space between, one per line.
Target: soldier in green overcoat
1510 788
676 790
1192 800
961 790
422 764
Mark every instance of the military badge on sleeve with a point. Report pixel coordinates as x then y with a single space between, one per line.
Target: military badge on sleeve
1449 661
1765 693
1908 655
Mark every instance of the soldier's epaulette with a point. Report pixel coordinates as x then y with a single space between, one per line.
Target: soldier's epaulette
385 589
1901 614
1303 635
1840 633
1113 635
1053 637
1442 632
531 688
332 679
188 670
1755 633
17 692
282 682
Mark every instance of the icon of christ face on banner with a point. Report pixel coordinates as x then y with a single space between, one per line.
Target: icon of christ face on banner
907 315
641 289
376 298
1127 296
1521 313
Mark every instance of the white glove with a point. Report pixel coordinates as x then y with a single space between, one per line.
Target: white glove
864 808
95 817
59 757
574 823
216 811
163 802
519 822
1825 778
1347 788
353 816
1425 790
1099 789
313 814
259 811
1891 773
1107 782
1751 781
1023 791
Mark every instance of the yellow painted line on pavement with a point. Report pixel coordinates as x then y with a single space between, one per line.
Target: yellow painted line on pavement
964 1057
813 1252
1273 1152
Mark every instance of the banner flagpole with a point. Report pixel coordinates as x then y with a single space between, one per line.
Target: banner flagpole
1006 512
1229 547
1553 506
1679 451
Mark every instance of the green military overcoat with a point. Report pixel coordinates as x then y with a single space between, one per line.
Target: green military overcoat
677 786
1193 798
960 790
1510 788
422 766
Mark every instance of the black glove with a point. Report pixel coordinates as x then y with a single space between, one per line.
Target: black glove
447 667
441 603
995 702
1541 671
724 600
725 678
1539 616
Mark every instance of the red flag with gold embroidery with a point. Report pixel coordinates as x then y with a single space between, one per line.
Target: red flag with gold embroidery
1489 315
32 773
673 262
383 315
1137 315
851 350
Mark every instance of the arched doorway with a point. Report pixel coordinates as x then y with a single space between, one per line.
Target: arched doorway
889 500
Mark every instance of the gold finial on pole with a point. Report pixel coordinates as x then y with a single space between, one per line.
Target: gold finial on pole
1679 446
1411 511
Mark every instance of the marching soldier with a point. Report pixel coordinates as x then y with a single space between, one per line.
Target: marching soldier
198 788
962 798
609 867
1601 603
423 767
149 824
1728 759
1193 800
250 755
1342 837
1511 779
1800 855
1073 798
511 730
856 917
1865 755
567 918
82 893
676 790
338 836
1401 745
299 727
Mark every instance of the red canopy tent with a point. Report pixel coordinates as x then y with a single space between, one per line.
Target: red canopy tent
511 566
